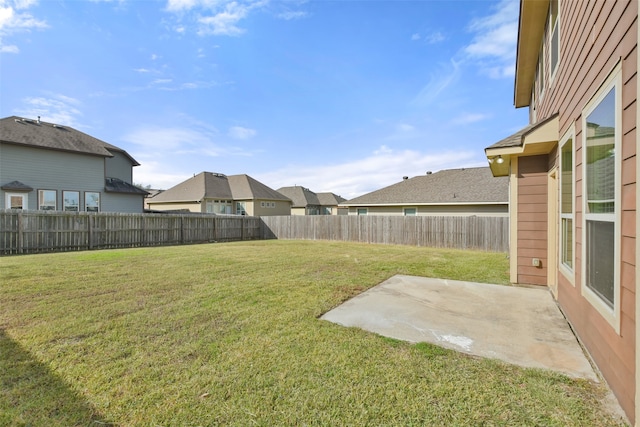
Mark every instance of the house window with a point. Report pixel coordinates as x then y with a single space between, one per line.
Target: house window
16 201
554 24
241 208
262 204
409 211
361 211
47 200
601 159
92 201
71 200
566 203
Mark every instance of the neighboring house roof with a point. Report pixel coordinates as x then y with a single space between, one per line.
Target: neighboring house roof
36 133
16 186
115 185
209 185
300 196
244 187
451 186
330 199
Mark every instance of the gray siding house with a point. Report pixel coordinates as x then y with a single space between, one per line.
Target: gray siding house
45 166
450 192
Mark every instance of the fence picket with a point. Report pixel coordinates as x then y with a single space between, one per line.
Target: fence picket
46 231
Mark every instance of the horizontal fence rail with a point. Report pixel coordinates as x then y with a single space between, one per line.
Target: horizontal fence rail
460 232
26 232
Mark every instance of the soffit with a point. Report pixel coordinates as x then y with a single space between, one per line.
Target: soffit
533 16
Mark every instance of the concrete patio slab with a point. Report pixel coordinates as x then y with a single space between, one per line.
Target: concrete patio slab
522 326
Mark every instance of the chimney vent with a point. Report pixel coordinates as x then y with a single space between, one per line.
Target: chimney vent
429 172
405 178
38 119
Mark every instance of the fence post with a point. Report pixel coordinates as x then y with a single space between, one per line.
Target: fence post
182 229
90 231
20 232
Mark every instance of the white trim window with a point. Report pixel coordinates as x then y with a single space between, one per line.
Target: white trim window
71 201
361 211
92 201
241 208
567 209
47 200
17 201
409 211
601 191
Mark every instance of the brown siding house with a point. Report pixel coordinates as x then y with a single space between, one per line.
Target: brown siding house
575 166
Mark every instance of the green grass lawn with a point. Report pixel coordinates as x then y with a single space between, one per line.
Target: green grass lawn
228 334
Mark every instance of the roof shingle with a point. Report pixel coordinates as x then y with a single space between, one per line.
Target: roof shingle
450 186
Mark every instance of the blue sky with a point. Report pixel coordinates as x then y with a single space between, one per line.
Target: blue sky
340 96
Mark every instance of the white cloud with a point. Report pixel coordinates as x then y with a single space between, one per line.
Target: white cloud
226 21
13 20
382 168
404 128
55 108
415 36
219 17
238 132
493 47
469 118
169 140
8 48
291 15
443 77
435 37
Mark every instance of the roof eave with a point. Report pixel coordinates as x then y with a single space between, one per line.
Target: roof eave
399 204
538 140
533 16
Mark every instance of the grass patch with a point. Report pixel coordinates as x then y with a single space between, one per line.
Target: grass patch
228 334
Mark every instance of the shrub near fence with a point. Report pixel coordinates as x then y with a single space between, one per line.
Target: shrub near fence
461 232
23 232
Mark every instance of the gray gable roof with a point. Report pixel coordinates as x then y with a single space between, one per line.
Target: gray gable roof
244 187
450 186
209 185
39 134
330 199
301 196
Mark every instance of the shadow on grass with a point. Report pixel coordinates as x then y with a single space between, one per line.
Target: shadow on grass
30 394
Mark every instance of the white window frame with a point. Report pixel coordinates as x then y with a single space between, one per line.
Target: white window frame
362 211
415 211
568 271
610 314
24 196
64 204
40 199
86 205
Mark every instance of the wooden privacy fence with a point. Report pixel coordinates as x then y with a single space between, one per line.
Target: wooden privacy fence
460 232
23 232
